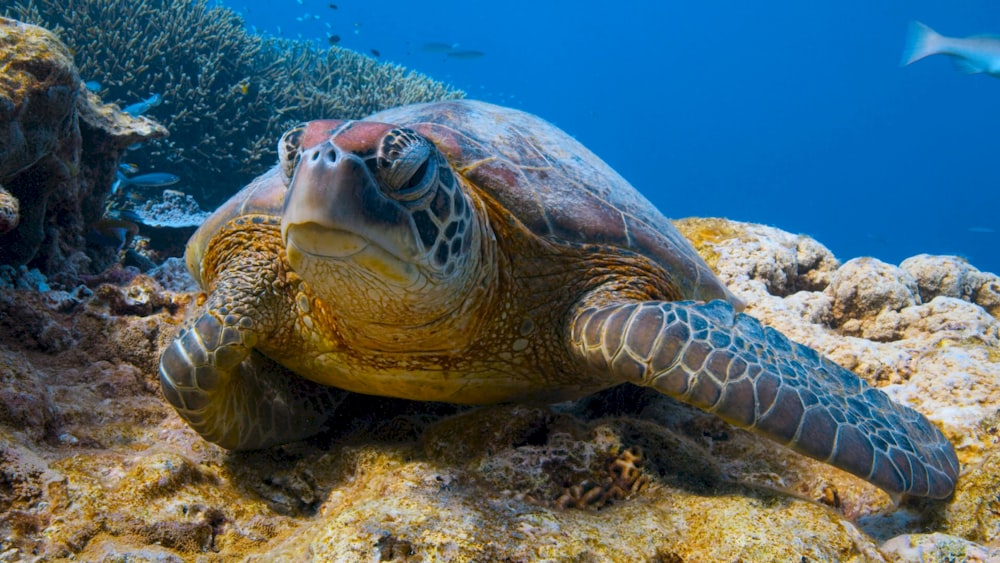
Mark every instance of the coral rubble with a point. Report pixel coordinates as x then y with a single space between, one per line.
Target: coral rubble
59 149
227 94
95 466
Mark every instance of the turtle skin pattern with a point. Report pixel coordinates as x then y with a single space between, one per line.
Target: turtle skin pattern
754 377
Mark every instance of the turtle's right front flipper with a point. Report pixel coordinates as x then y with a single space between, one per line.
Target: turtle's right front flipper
234 396
729 364
211 373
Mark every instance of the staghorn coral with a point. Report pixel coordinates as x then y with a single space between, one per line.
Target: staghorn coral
228 95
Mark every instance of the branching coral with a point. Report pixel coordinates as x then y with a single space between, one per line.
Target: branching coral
227 94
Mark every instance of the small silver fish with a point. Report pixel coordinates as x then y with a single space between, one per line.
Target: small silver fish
466 54
972 55
128 167
139 108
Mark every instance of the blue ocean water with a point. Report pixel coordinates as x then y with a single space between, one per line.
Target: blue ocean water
794 114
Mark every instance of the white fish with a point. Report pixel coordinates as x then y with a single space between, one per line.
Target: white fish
139 108
971 55
151 180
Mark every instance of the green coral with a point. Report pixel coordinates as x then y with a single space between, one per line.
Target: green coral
228 94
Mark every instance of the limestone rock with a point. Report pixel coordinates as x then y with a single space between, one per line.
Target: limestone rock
59 149
937 548
951 276
25 403
740 252
867 294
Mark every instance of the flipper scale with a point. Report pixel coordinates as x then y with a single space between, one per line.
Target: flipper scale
227 391
246 401
755 377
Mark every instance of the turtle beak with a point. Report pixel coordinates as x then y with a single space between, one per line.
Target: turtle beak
335 209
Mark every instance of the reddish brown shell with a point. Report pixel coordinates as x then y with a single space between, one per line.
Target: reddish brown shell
555 186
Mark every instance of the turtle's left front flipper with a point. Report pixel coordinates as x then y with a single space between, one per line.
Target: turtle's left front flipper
754 377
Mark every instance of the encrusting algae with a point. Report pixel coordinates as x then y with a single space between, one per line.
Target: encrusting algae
94 465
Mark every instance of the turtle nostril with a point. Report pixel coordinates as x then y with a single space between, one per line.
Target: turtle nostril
331 155
314 156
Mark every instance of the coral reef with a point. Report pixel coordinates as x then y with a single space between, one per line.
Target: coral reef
549 459
166 223
59 149
226 94
172 209
95 466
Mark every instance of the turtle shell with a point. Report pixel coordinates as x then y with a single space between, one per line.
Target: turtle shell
264 195
555 186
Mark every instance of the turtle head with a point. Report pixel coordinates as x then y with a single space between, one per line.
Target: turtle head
378 223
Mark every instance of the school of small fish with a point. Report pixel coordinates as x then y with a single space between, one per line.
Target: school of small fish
450 50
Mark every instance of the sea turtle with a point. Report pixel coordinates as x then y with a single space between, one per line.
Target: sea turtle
464 252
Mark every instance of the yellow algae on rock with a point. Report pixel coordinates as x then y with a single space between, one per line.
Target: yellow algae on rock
973 513
705 234
783 262
937 548
395 506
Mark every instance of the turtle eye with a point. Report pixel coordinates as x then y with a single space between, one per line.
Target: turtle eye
406 164
290 150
